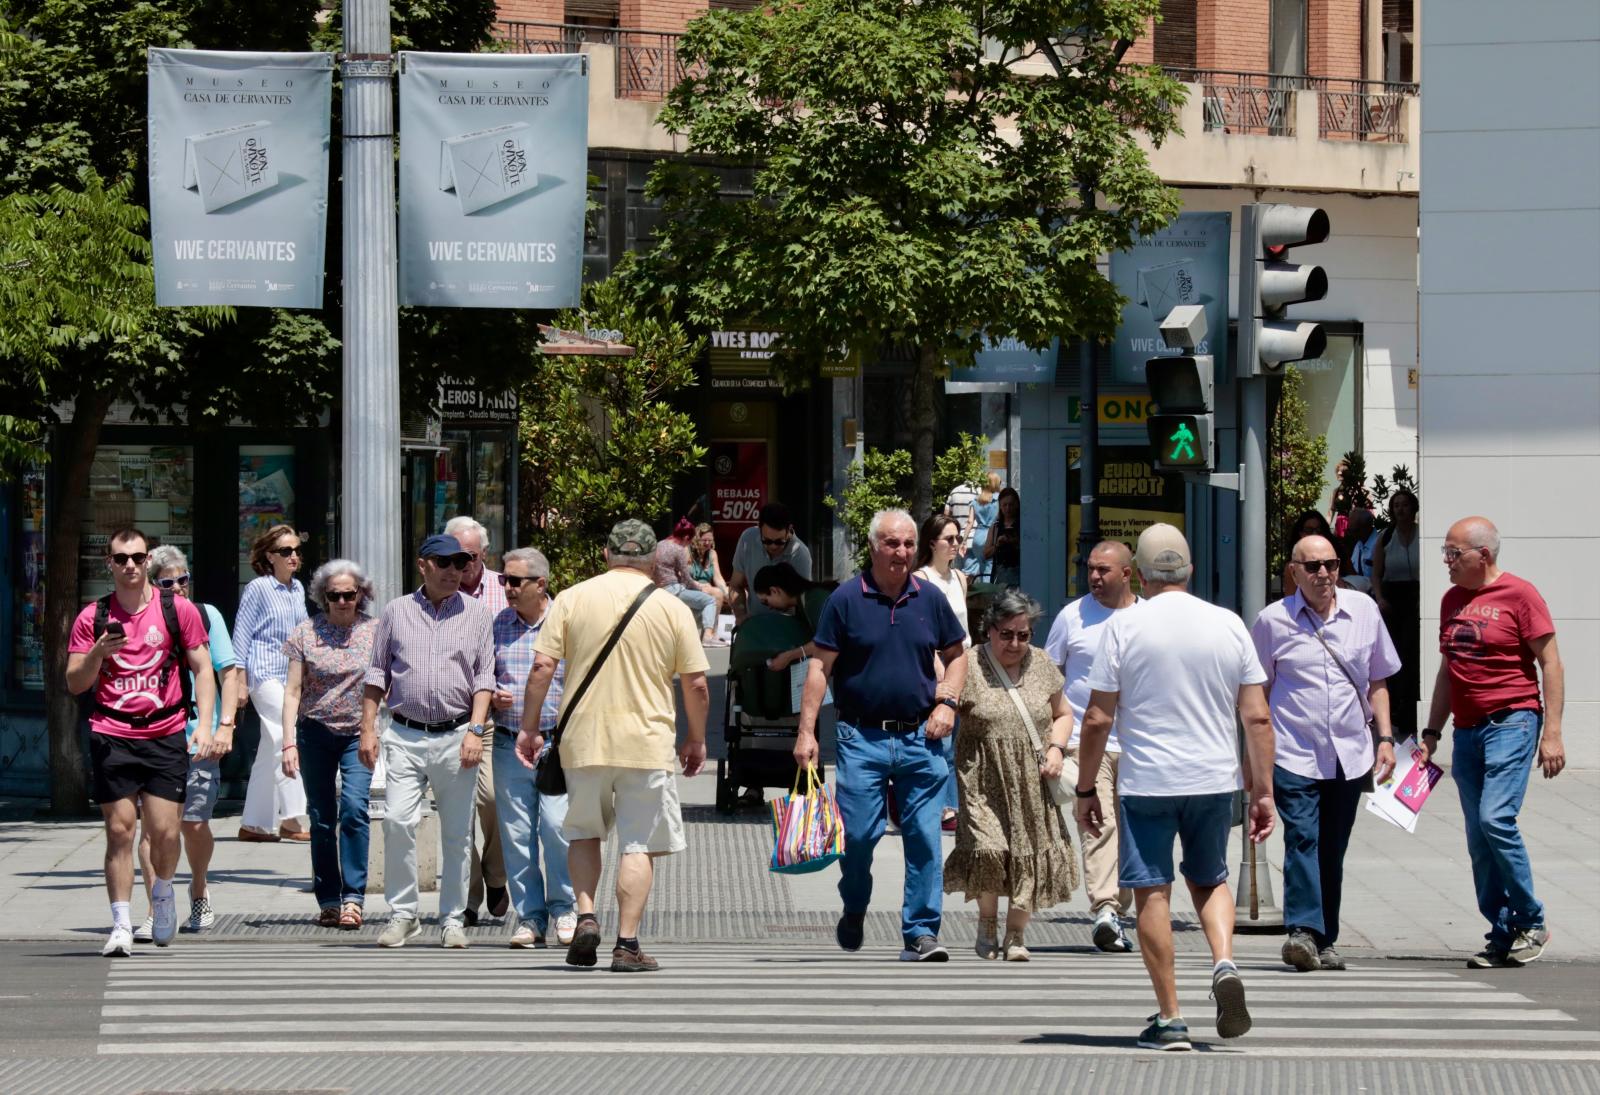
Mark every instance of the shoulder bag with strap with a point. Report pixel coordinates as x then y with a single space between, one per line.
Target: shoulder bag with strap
550 778
1361 697
1060 791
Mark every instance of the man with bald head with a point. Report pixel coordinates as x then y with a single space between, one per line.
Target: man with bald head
1493 628
1328 658
1073 642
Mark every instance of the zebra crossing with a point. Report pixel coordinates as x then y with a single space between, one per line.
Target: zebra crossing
804 998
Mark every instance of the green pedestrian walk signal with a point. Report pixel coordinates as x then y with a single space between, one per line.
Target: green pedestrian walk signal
1181 429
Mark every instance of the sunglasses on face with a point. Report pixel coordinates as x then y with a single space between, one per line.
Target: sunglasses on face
515 580
1314 565
284 552
343 597
1009 636
1452 554
173 583
779 542
123 558
451 562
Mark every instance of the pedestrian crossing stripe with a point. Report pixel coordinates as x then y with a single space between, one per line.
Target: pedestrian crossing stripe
806 998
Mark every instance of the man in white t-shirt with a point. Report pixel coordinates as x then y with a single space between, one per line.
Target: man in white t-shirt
1176 670
1074 641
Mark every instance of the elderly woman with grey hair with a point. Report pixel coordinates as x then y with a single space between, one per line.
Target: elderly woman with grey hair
1010 838
328 658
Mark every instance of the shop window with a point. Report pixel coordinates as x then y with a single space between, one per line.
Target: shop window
150 487
1332 405
266 497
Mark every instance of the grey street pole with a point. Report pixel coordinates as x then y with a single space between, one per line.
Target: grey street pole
370 409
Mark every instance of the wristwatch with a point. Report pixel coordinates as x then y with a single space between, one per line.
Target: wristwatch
1052 745
1081 793
1385 739
1431 730
477 729
224 723
950 703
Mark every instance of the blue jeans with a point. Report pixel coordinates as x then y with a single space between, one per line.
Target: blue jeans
1491 765
1147 826
529 821
867 760
701 603
946 748
1318 815
337 787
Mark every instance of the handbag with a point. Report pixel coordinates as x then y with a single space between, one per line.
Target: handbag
807 831
1061 791
549 777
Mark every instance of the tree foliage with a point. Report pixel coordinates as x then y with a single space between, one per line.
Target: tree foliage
967 461
885 480
600 437
1295 465
918 170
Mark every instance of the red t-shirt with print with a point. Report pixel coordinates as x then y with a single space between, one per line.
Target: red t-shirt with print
1484 635
130 679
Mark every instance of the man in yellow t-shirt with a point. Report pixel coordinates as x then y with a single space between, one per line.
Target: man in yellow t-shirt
617 745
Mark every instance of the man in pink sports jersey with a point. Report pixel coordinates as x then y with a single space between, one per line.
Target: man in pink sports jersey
133 648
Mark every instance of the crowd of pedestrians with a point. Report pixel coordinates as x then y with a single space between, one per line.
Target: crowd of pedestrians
552 722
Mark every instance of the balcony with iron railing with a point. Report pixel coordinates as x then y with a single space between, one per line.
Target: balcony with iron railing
1241 128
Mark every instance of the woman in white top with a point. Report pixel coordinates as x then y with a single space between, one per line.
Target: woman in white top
938 553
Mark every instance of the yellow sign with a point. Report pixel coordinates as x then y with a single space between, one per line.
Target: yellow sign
1128 409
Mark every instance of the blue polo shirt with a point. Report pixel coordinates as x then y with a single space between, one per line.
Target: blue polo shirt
885 645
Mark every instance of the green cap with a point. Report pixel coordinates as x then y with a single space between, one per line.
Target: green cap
631 537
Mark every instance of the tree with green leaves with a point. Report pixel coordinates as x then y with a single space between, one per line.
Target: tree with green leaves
920 171
1296 462
884 480
600 437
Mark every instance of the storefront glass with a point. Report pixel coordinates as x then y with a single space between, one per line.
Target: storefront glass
150 487
1330 394
266 497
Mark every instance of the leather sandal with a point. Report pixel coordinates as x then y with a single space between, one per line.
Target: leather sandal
350 918
329 917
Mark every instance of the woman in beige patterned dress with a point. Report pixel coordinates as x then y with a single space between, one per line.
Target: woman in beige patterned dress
1010 838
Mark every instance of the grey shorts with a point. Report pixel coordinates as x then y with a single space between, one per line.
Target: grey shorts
200 796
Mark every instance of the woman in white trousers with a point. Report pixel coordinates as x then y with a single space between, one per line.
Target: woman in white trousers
270 608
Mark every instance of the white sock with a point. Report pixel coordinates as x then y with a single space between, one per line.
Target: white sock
120 917
1224 964
162 887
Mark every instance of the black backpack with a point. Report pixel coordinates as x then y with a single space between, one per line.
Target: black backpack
169 615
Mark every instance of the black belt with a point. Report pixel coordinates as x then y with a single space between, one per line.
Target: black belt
888 726
430 727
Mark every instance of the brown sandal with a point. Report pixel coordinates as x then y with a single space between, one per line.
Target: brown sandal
329 917
350 917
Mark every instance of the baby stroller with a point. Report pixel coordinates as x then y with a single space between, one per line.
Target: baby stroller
760 718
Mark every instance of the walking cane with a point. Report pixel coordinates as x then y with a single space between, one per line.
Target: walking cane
1255 898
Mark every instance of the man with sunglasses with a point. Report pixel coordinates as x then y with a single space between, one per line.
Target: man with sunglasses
137 746
1328 658
488 865
433 664
772 540
1494 629
875 641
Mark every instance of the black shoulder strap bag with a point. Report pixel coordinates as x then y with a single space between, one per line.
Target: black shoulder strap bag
550 779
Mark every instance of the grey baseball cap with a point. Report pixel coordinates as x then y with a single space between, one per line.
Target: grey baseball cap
631 537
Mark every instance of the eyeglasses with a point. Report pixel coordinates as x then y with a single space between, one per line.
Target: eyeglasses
896 545
779 542
1009 636
1314 565
458 561
1452 554
123 558
515 580
172 583
284 553
344 596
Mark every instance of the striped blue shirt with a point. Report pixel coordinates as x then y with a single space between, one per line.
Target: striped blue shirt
513 662
268 611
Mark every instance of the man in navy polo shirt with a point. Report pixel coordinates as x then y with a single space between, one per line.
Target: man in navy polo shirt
875 641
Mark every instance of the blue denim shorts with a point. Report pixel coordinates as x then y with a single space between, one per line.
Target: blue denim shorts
1150 823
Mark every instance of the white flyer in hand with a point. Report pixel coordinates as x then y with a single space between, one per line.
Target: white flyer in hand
1398 799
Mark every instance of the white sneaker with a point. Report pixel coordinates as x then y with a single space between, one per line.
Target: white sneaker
145 932
566 927
455 937
526 937
119 945
164 919
397 931
200 915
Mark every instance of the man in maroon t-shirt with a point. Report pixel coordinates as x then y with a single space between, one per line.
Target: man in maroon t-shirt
1493 628
137 748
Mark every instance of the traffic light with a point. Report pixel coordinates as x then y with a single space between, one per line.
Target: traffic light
1269 283
1181 436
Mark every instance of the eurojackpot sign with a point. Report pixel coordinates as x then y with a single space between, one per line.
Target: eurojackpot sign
239 176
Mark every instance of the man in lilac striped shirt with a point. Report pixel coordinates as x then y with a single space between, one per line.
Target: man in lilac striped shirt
433 664
1327 656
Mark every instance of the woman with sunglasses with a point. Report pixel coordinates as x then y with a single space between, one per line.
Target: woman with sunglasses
1015 724
328 659
938 550
270 608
